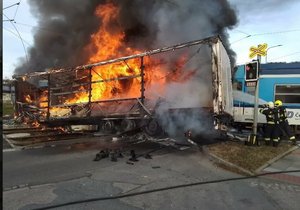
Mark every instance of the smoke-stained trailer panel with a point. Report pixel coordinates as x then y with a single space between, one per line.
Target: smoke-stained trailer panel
188 70
221 68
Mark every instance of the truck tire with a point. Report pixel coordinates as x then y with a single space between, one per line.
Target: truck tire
153 129
127 125
108 126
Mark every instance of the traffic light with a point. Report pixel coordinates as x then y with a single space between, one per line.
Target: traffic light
251 71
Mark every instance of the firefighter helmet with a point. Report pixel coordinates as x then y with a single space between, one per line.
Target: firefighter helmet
271 104
278 103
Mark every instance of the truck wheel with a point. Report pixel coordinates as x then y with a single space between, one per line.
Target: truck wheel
108 126
153 129
127 125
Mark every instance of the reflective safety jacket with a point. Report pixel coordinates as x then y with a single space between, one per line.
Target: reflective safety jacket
272 115
282 113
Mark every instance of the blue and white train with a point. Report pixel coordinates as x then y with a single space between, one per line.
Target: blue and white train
276 81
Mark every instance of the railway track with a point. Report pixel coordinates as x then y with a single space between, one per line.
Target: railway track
26 130
35 137
22 137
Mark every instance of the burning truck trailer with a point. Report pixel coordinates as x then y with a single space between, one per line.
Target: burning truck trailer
185 88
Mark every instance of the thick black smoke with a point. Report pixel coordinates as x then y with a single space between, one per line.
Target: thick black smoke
65 26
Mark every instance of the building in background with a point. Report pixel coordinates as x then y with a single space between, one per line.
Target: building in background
8 91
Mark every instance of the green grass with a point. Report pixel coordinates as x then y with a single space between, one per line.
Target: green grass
247 157
7 109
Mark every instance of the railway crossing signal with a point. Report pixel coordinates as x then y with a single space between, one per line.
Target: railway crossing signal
251 76
260 50
251 71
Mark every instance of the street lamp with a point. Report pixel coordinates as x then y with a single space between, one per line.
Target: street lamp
270 48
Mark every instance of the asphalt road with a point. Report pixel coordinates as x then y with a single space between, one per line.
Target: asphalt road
47 176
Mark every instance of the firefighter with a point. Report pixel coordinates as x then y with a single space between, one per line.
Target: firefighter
271 129
283 122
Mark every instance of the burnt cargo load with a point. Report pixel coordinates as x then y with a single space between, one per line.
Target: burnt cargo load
186 86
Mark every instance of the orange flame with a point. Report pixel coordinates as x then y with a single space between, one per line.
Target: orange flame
108 42
62 129
35 124
43 100
28 98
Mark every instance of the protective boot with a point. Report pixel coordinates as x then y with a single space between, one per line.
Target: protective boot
133 156
293 140
100 155
275 143
113 156
119 154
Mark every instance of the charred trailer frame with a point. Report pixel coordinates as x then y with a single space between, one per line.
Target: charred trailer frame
40 94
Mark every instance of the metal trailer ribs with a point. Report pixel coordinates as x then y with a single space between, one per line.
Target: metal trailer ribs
39 93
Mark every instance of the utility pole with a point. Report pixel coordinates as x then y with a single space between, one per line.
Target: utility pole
256 101
252 139
260 50
252 79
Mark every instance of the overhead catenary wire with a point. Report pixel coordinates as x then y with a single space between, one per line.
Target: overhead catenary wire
247 34
241 39
17 10
276 32
11 5
241 32
163 189
19 37
38 28
262 34
288 55
26 42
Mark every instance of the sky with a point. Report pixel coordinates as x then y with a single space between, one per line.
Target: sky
274 22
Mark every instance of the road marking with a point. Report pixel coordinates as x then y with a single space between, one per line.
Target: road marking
16 187
276 186
9 150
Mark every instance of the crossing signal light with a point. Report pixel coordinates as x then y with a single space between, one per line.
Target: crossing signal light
251 71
